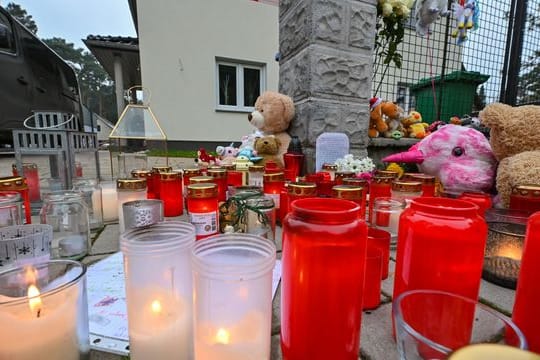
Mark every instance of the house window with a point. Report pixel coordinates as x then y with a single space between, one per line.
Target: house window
404 98
238 85
7 41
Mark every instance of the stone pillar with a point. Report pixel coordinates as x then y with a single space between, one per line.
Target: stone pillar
119 83
326 67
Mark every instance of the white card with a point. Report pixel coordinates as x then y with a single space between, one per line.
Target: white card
330 147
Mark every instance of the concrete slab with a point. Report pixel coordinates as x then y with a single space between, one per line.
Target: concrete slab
500 298
107 242
376 340
89 260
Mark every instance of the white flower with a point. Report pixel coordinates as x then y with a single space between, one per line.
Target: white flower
349 163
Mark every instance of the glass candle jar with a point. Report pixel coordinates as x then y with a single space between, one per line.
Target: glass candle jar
255 175
234 177
67 213
91 191
386 213
331 169
129 190
380 186
109 201
158 277
202 204
127 162
323 262
406 190
340 175
156 179
295 163
146 174
18 184
202 179
380 239
526 312
171 193
272 185
23 245
260 217
188 174
525 197
298 190
31 174
352 193
387 173
10 208
441 245
232 275
481 199
46 306
428 182
372 278
220 179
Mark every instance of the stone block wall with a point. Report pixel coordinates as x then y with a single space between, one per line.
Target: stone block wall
326 67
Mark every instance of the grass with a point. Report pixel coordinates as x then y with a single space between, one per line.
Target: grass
173 153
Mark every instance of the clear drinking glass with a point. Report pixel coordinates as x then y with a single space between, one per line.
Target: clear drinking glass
91 191
386 212
432 324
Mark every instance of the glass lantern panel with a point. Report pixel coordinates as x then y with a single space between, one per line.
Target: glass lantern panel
137 122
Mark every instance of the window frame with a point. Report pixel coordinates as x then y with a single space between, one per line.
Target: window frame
14 37
240 66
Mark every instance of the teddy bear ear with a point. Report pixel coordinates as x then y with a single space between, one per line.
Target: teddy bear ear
278 142
494 115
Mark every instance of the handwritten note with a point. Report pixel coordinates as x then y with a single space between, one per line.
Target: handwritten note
330 147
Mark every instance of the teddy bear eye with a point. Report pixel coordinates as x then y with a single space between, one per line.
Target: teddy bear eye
262 110
458 151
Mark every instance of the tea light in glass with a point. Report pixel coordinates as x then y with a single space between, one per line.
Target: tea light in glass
145 174
406 190
386 213
46 309
171 193
232 276
158 281
128 190
91 192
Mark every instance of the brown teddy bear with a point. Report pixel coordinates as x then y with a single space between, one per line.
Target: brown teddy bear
515 145
272 116
268 147
384 119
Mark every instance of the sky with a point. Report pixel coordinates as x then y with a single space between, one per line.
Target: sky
74 20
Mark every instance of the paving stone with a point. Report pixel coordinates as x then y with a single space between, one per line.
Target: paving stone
276 312
99 355
107 242
387 286
376 340
497 297
275 352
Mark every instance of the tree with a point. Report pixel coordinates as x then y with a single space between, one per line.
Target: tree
22 16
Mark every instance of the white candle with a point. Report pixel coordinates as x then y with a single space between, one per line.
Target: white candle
41 328
159 326
109 202
244 340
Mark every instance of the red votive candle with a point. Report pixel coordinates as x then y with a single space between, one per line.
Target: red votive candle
272 185
271 167
323 265
156 178
331 169
145 174
171 194
235 177
220 179
283 203
340 175
428 183
31 174
381 239
372 278
298 190
481 199
380 186
293 162
364 184
202 205
18 184
440 246
387 173
526 314
352 193
526 198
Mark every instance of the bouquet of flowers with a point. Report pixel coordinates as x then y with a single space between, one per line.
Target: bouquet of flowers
363 168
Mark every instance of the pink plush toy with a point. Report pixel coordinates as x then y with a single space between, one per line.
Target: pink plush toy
460 157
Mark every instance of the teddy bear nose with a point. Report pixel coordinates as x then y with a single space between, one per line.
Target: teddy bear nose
265 142
249 117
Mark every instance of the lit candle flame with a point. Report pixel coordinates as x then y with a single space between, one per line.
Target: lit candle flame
222 336
156 307
510 251
34 300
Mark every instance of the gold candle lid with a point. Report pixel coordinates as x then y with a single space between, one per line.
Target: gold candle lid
13 181
192 172
423 178
329 166
141 173
302 189
217 173
159 169
347 192
201 191
345 174
355 181
25 166
131 184
407 186
201 179
530 190
169 176
256 168
391 173
382 179
274 177
229 167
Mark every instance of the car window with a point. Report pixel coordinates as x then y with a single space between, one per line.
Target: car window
7 40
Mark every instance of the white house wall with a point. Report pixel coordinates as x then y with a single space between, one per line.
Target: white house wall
179 42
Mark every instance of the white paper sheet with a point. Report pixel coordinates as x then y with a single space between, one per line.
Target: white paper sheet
330 147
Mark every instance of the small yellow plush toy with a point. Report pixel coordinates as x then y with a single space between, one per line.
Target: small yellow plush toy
413 125
267 147
514 144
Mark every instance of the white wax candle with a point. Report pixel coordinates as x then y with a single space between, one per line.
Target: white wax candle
160 326
51 336
244 340
109 202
